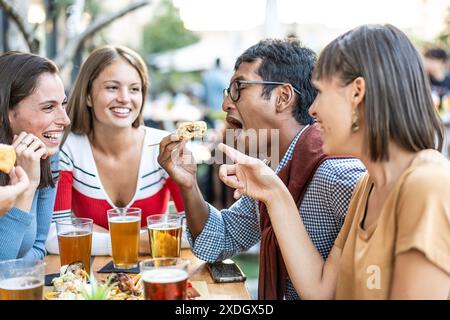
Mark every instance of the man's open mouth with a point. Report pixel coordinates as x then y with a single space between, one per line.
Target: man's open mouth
235 128
234 123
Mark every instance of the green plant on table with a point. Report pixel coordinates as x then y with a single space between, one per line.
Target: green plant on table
97 291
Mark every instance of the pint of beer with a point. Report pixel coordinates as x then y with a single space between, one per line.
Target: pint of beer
124 228
75 241
165 278
21 280
164 234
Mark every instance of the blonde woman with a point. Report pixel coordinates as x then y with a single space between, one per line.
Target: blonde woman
105 159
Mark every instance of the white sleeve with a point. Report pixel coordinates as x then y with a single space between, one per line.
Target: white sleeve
101 243
51 245
184 237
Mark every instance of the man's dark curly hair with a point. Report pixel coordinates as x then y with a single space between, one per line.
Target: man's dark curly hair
285 61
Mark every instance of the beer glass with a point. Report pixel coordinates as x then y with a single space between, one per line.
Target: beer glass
21 280
124 228
165 278
164 235
75 241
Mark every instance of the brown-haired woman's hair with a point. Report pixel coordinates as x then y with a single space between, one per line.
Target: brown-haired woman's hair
398 103
79 113
19 74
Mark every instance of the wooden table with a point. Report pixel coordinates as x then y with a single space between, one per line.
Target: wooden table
198 272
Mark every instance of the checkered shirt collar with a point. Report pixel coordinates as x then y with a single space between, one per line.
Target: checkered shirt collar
288 155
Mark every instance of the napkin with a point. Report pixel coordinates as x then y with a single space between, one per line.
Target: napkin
109 268
49 278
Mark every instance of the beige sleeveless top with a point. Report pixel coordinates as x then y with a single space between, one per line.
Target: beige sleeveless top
416 215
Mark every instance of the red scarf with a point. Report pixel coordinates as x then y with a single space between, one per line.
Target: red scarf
296 175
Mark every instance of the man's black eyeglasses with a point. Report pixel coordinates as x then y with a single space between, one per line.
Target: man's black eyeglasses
234 90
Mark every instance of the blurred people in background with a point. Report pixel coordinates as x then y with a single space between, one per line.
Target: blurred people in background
106 161
213 81
435 61
270 89
33 115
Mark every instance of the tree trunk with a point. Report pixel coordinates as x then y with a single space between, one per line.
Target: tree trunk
16 11
76 41
74 44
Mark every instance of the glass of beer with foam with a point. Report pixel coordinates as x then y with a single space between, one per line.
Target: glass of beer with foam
124 228
21 280
75 241
165 278
164 234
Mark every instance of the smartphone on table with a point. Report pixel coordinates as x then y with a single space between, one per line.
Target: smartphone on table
226 271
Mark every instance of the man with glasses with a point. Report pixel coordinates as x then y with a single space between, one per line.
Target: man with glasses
270 89
234 90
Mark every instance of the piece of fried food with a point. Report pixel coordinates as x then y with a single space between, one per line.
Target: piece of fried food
72 278
124 287
191 129
7 158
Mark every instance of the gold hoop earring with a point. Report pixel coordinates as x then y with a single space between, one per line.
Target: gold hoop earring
355 125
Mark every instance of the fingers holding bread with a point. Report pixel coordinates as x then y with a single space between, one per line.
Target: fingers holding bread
7 158
191 129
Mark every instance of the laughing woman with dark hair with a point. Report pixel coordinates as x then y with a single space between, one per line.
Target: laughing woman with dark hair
374 103
33 118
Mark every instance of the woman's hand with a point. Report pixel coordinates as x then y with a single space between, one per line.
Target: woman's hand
18 184
249 176
30 150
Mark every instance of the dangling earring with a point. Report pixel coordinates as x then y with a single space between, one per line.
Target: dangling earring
355 125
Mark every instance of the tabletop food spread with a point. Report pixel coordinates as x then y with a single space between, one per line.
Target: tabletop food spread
75 284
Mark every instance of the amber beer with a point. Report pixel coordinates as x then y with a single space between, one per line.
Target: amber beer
165 284
75 240
21 280
165 240
165 278
164 234
125 241
75 246
21 288
124 227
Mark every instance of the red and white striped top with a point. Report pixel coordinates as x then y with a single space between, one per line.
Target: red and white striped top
80 190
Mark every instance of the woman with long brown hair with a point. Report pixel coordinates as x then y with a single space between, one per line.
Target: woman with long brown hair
33 118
